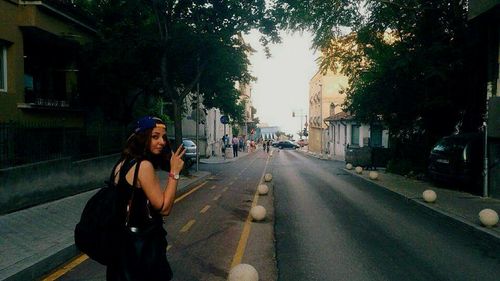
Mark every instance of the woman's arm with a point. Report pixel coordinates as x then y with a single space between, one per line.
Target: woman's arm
161 200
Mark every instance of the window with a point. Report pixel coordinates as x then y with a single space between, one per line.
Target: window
3 68
354 134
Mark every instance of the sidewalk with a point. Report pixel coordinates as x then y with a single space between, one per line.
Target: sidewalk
36 240
460 206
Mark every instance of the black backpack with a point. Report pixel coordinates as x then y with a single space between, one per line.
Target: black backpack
103 219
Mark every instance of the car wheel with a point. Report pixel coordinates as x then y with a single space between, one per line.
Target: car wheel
280 147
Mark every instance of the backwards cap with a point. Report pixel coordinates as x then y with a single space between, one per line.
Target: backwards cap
148 122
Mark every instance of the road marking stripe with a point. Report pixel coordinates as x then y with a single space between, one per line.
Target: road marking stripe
225 189
191 191
213 186
205 209
231 183
69 266
242 244
187 226
168 247
216 197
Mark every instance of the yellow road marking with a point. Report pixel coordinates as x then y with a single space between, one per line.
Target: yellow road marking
69 266
191 191
187 226
225 189
242 244
213 186
216 197
205 209
168 247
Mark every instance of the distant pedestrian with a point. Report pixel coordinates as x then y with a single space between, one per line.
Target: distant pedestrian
269 142
235 143
264 145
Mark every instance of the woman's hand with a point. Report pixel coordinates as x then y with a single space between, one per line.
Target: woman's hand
176 162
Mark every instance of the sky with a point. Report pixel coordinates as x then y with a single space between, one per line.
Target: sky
282 84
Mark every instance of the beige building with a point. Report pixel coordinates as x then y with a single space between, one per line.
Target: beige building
324 100
39 42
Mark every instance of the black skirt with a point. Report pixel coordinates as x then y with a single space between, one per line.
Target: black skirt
141 256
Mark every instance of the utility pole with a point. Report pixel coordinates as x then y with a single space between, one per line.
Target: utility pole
197 115
321 116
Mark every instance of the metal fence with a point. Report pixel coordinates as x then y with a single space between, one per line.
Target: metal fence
24 143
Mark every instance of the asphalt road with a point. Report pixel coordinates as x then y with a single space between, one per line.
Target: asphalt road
333 226
205 227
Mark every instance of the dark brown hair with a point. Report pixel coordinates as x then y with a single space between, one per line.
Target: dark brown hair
137 147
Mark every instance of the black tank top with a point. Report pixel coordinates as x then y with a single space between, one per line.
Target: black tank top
141 214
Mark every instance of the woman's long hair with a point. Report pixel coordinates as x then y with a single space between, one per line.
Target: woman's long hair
137 147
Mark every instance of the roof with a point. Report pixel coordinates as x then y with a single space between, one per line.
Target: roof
339 117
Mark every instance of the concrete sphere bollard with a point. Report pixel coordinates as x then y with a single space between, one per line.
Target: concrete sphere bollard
429 196
243 272
373 175
263 189
359 170
488 217
348 166
258 213
268 177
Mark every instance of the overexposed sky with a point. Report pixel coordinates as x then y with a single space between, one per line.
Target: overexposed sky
282 84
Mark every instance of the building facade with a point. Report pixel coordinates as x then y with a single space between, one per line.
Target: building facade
39 43
324 99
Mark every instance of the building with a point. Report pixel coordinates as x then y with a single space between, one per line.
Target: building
324 99
345 132
39 43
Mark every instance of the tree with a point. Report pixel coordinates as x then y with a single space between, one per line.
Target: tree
201 46
406 62
172 49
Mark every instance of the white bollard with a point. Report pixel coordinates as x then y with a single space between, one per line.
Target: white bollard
258 213
359 169
268 177
373 175
263 189
429 196
348 166
488 217
243 272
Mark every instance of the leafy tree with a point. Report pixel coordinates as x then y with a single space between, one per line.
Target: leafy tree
202 46
172 49
406 62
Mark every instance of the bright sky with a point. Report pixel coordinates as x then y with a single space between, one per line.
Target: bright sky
282 84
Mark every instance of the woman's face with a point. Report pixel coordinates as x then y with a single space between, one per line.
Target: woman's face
157 143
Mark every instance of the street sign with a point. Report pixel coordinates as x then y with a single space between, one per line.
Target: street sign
224 119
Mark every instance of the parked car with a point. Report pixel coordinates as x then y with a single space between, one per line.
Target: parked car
287 144
457 159
190 155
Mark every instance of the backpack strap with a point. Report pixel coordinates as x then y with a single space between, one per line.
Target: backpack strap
134 181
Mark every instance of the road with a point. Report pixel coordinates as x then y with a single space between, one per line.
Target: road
326 224
206 226
331 225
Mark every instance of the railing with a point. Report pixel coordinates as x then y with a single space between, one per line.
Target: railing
24 143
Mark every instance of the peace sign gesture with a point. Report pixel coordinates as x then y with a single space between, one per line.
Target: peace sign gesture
176 162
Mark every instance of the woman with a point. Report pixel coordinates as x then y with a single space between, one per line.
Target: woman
141 252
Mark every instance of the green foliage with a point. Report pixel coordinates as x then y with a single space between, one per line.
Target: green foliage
406 62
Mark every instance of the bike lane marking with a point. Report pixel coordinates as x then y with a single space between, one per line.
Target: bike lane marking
240 250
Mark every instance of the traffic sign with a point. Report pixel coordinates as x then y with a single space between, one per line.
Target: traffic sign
224 119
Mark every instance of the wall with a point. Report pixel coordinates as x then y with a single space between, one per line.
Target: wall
33 184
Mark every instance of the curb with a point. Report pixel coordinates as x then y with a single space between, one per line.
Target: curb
477 228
